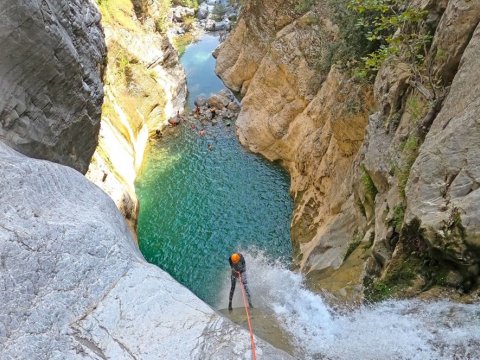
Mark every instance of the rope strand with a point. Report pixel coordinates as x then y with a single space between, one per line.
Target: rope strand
252 340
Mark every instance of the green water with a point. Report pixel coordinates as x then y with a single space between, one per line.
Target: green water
198 206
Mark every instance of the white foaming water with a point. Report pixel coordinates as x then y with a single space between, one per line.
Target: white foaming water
405 329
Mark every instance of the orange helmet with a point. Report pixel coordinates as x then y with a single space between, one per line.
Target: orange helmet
235 258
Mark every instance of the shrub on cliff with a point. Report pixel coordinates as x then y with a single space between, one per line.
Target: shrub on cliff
373 30
219 11
188 3
162 19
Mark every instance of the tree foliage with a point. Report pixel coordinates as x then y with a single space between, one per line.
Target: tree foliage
395 26
188 3
373 30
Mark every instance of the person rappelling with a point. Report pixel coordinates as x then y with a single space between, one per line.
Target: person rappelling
239 268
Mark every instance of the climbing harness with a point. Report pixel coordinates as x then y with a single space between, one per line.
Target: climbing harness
252 340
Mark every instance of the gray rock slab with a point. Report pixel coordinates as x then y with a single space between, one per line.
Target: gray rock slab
445 178
74 286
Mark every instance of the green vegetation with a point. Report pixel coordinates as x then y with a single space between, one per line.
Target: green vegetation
353 44
377 291
188 3
219 11
373 30
416 267
398 215
188 22
395 26
410 153
162 22
357 239
120 62
182 41
367 204
121 12
303 6
400 275
368 183
416 107
118 12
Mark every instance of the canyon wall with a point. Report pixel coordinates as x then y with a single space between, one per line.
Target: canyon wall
144 86
50 74
378 210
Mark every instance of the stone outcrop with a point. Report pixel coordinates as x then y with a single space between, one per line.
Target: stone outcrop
144 86
74 285
349 146
51 90
443 188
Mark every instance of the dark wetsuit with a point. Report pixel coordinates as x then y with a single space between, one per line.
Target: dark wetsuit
238 269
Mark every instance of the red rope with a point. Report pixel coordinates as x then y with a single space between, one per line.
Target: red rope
252 340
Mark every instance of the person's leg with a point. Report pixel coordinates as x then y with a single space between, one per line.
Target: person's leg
232 290
245 285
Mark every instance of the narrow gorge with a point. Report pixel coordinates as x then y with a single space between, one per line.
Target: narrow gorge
337 150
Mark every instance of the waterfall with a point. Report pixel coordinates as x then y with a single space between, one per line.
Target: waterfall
395 329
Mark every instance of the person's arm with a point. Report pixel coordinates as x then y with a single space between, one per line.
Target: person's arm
243 266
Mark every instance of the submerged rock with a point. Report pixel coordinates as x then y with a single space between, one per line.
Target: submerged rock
74 285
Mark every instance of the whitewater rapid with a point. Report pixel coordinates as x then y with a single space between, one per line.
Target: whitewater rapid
407 329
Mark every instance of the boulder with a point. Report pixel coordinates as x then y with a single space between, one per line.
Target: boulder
179 12
233 106
202 11
218 101
210 25
200 101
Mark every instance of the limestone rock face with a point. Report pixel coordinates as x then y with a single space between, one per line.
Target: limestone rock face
242 52
51 91
74 285
144 86
453 35
443 189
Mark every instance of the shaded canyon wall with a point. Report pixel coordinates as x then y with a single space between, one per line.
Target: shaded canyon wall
50 75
